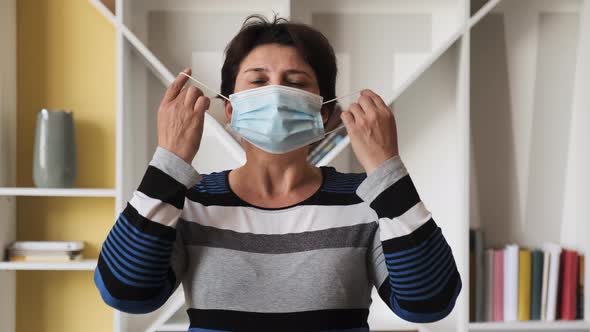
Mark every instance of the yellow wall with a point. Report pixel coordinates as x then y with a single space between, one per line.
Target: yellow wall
66 59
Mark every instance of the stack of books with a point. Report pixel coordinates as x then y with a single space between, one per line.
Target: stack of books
45 251
515 283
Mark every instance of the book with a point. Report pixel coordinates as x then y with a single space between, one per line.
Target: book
524 285
536 283
472 278
545 283
552 284
479 276
49 246
46 258
498 285
580 304
569 285
489 285
510 282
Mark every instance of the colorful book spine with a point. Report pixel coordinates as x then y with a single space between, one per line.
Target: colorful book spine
580 314
569 285
546 262
552 284
536 284
489 285
524 285
510 283
479 277
498 285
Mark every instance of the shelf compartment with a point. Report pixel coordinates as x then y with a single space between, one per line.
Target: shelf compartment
83 265
57 192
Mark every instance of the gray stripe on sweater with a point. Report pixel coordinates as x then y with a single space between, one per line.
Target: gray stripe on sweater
360 235
244 281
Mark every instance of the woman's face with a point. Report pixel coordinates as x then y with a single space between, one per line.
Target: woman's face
274 64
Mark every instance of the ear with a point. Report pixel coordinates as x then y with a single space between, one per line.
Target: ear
325 111
227 110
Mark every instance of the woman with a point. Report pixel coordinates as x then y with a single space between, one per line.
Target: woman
277 244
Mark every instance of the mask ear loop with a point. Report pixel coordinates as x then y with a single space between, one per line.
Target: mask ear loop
205 86
224 97
333 100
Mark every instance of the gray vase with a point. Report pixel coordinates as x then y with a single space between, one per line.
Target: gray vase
54 164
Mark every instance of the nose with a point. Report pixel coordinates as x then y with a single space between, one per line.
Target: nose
276 78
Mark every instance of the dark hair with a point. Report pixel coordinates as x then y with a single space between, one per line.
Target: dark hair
311 44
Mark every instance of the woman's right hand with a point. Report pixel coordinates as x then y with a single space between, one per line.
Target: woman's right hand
180 118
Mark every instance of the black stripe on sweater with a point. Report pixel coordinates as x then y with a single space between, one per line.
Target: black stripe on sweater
159 185
314 320
146 226
397 199
402 243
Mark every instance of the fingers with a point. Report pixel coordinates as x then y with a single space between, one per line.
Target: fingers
347 119
357 112
368 106
202 104
175 88
191 96
378 101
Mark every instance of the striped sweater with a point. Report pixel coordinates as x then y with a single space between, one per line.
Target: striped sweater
307 267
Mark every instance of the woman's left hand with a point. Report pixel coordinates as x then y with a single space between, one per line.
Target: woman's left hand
372 131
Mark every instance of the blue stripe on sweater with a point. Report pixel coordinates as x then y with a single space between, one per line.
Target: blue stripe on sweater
152 239
423 274
150 273
408 251
411 255
119 240
423 285
431 294
123 278
133 307
421 262
119 252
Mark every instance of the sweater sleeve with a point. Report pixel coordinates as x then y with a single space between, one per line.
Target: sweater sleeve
411 263
142 259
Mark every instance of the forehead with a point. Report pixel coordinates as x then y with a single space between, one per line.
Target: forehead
274 57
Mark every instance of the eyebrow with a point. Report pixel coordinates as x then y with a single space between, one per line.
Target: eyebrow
288 72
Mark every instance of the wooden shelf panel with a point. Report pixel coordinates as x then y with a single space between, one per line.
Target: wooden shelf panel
83 265
57 192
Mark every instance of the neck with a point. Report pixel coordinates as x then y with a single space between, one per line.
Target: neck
277 174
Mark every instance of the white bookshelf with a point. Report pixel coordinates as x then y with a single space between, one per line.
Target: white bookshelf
451 102
436 133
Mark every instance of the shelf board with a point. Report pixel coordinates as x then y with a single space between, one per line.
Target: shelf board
83 265
57 192
530 326
173 327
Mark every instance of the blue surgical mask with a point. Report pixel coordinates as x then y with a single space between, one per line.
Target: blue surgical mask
277 118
